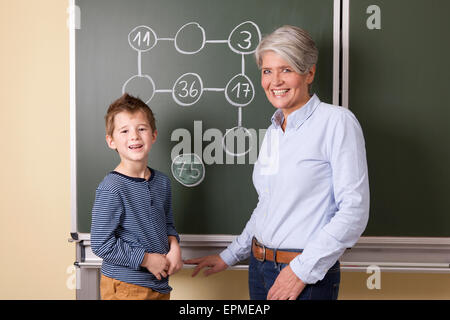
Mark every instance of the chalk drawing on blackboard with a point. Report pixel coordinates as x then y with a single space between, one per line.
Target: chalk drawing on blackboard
188 169
240 135
140 85
190 29
241 39
188 88
142 38
240 91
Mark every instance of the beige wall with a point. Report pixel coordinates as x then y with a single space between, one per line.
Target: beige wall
34 174
34 126
233 285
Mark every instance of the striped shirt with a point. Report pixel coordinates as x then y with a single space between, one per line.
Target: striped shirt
132 216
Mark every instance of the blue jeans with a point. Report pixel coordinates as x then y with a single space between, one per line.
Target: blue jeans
262 275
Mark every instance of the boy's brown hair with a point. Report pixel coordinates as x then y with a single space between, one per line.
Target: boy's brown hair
129 104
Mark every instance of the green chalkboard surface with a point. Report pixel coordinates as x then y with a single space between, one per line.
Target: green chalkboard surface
191 60
399 78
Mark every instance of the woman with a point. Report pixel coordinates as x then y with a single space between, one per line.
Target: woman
311 178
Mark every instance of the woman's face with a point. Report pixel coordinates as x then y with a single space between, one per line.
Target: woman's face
285 88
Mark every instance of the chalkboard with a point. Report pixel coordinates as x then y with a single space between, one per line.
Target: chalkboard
398 80
162 51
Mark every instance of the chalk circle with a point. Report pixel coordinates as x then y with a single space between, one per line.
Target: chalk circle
142 38
188 169
187 89
189 30
240 91
244 38
234 130
141 86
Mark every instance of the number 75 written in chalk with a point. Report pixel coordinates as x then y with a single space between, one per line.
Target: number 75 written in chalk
191 169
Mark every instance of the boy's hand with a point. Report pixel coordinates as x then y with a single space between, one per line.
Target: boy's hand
157 264
174 256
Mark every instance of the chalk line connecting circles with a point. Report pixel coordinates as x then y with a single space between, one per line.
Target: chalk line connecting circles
189 88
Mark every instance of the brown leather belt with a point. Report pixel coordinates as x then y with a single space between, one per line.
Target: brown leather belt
262 253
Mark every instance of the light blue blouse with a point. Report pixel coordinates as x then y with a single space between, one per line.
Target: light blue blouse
313 189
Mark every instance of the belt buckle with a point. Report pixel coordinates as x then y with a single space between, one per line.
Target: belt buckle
264 252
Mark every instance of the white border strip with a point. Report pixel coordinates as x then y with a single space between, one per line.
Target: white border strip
350 264
73 141
345 51
411 241
336 49
205 240
345 268
191 239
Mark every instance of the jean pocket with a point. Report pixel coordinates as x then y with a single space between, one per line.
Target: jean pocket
335 268
279 266
335 291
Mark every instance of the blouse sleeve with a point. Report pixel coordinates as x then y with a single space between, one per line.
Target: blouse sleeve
347 158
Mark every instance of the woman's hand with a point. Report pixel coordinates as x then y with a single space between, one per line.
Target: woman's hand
214 262
287 286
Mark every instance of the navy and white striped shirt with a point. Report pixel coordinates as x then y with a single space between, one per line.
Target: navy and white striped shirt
132 216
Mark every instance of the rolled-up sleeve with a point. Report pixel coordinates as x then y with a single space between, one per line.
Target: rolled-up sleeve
351 193
106 214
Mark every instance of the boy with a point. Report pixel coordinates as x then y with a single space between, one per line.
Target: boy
132 223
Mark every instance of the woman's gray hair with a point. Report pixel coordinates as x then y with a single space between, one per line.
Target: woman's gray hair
292 44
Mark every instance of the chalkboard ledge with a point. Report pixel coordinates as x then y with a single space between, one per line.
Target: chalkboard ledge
390 254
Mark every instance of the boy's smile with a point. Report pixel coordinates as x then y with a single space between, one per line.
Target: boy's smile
136 146
132 137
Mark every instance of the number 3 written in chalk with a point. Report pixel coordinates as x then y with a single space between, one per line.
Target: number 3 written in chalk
248 40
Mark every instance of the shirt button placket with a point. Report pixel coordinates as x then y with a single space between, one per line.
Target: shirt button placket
149 193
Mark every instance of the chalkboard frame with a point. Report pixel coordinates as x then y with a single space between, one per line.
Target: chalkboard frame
368 250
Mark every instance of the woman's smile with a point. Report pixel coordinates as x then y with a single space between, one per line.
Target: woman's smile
279 92
285 88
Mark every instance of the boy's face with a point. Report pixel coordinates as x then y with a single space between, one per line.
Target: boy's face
132 136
